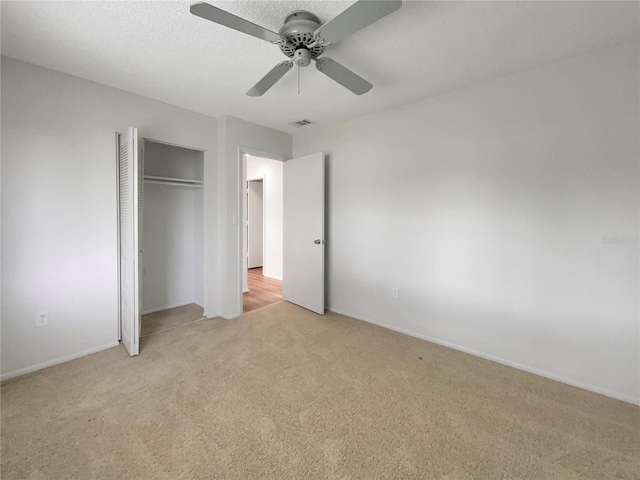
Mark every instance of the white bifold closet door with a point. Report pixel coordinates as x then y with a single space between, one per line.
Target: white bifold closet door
303 232
131 166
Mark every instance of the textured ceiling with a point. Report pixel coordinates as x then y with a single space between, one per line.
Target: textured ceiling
160 50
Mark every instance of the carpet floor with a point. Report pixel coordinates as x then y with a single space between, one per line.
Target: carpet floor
170 318
282 393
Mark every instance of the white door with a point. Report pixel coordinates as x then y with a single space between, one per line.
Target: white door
255 223
130 226
303 268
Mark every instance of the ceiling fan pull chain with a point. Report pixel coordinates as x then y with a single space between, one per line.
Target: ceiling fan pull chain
298 79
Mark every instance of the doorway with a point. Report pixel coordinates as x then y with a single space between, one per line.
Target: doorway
172 237
262 232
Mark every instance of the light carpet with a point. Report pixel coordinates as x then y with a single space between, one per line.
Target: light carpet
282 393
170 318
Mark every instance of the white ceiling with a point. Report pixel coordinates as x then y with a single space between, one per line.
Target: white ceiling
160 50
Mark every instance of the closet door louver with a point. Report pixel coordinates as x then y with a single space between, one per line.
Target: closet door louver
130 197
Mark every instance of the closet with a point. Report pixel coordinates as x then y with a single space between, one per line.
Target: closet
172 237
160 236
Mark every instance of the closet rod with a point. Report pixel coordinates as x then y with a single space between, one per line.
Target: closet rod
179 184
171 179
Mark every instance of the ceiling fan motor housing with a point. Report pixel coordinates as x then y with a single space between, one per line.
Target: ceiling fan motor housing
298 31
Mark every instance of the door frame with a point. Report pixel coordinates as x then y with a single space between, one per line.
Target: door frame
242 194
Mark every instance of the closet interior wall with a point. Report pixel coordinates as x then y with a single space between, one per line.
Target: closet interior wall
172 255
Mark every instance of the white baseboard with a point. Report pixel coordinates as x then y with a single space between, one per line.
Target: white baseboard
275 277
49 363
509 363
175 305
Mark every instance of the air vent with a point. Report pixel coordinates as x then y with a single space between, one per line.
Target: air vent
301 123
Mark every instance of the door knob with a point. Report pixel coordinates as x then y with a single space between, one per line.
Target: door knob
317 241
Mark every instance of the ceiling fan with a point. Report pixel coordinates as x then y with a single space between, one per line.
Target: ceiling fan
303 39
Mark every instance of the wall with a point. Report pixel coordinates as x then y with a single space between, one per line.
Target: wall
173 230
59 223
198 249
507 216
235 138
168 242
255 224
258 167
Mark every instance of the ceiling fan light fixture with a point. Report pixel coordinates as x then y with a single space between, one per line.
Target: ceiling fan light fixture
302 57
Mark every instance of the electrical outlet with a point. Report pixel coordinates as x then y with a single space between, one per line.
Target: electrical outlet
394 292
42 319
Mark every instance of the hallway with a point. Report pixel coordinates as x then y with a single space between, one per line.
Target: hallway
263 290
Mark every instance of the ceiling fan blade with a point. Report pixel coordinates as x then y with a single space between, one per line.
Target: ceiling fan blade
343 75
359 15
216 15
270 79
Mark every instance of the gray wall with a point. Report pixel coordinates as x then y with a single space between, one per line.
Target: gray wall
489 209
59 208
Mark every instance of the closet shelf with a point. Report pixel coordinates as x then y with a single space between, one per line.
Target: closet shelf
186 182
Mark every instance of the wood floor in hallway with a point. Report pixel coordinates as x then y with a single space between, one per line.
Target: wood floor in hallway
263 290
